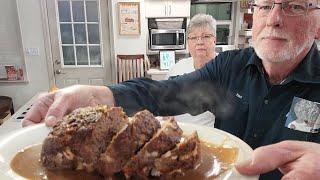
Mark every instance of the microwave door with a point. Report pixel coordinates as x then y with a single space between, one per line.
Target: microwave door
165 39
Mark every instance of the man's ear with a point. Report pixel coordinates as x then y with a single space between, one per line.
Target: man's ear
318 34
318 27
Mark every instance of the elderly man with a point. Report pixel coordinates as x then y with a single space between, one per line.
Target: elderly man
250 91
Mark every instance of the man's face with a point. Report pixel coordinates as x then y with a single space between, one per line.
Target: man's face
201 44
278 37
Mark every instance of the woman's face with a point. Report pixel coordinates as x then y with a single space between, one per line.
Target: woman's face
201 44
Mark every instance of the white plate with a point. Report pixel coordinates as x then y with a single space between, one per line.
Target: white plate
11 143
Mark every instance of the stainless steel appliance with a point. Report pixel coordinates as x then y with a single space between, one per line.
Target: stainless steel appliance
167 33
167 39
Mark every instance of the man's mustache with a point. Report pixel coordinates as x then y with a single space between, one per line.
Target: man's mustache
273 34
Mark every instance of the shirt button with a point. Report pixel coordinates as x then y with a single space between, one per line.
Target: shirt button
266 101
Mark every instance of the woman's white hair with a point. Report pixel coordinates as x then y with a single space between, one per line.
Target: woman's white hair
202 20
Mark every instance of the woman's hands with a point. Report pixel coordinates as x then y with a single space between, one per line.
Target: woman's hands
51 107
295 159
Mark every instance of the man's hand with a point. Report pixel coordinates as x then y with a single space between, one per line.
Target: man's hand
295 159
51 107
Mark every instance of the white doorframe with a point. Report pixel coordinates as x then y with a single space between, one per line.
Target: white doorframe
111 42
47 44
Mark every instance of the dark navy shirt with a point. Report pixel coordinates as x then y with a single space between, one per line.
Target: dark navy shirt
235 88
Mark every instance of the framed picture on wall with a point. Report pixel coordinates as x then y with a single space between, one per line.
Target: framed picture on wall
129 18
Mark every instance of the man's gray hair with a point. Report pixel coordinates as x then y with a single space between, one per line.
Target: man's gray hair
202 20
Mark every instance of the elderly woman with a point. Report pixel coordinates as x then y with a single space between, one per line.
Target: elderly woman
201 33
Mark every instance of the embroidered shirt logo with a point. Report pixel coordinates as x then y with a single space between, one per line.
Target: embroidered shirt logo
239 96
304 115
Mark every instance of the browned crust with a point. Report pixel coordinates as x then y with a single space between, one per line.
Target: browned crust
165 139
127 142
78 138
182 158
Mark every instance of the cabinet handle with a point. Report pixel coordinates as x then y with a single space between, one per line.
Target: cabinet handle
165 10
170 10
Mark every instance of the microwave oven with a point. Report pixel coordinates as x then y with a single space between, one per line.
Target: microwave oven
167 39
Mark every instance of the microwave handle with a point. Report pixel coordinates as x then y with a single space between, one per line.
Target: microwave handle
177 37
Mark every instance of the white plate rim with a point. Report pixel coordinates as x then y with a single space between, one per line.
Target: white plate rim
7 173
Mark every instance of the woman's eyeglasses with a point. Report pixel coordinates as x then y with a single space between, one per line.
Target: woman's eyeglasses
205 37
289 8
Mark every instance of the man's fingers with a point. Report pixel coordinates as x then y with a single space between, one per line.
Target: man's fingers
300 174
27 122
56 111
268 158
39 110
286 168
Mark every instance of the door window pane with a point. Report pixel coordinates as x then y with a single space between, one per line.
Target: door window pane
66 33
95 55
68 55
93 33
219 10
82 55
92 11
78 11
222 34
64 11
80 34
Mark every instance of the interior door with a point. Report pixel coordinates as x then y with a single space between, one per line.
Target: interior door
79 41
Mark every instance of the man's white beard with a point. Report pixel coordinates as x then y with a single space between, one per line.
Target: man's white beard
288 53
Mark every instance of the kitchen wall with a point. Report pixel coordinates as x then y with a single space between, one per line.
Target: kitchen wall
29 16
129 44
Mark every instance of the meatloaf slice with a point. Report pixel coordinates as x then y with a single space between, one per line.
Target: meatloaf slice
176 162
77 141
127 142
164 140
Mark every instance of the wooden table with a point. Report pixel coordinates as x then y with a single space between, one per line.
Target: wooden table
6 108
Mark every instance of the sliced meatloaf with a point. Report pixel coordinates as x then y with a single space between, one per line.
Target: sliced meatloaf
105 140
77 141
176 162
127 142
164 140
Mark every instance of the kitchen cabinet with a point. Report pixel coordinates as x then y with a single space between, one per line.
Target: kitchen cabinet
245 33
158 75
167 8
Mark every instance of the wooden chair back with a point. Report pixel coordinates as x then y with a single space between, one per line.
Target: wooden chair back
131 66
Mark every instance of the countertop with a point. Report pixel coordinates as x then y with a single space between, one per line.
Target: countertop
14 122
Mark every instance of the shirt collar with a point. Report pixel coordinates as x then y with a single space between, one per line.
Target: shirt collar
255 61
308 71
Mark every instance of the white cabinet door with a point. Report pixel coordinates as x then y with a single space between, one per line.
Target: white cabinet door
156 8
178 8
167 8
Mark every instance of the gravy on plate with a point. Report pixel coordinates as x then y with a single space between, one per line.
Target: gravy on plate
214 161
